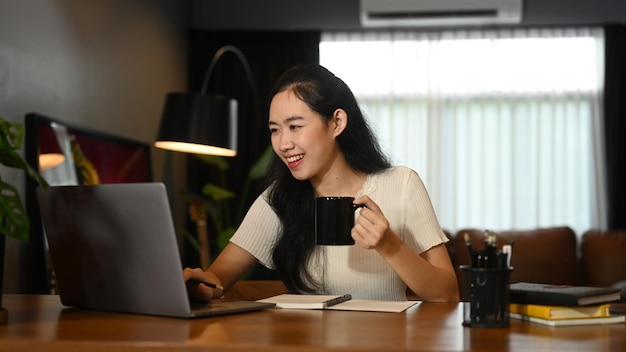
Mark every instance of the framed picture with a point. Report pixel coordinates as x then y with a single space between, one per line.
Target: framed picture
67 154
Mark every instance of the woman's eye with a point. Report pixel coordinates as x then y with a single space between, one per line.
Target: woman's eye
294 127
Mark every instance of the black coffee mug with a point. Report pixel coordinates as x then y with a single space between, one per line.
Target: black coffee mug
334 220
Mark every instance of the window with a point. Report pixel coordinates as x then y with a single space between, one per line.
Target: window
503 126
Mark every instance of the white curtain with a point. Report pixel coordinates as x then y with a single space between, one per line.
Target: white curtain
504 126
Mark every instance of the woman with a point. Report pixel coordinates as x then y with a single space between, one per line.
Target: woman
324 147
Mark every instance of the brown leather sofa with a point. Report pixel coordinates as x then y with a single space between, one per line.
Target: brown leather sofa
603 257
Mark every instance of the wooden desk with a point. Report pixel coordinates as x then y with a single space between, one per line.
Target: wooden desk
41 323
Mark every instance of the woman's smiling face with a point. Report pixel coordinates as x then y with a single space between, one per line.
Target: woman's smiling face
301 137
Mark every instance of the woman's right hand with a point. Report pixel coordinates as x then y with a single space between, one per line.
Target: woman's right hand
198 290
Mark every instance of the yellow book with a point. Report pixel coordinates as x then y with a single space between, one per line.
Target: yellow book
613 319
558 312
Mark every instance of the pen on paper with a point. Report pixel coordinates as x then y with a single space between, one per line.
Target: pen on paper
212 285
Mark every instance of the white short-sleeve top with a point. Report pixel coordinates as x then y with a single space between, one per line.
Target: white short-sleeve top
403 199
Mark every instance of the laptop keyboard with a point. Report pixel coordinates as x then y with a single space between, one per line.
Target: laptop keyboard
198 304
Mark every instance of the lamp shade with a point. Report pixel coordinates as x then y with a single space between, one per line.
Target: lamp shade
199 124
49 161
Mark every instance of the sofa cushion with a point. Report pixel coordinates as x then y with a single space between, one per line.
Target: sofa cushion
603 257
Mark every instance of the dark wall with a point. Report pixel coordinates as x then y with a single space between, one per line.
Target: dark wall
105 65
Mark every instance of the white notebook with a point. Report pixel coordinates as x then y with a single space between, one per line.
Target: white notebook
295 301
336 302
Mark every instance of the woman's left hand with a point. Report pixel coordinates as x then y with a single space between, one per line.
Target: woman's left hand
371 228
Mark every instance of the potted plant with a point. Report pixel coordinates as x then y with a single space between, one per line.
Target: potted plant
214 202
13 218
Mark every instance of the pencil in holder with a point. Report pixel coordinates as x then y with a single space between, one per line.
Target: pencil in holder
488 296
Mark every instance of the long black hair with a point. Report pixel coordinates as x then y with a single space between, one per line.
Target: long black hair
292 199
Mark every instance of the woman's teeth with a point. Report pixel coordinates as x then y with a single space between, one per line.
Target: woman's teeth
291 159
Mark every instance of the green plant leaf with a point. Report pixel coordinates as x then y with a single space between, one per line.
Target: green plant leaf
259 169
215 212
12 159
224 236
13 220
216 192
11 135
219 162
216 197
192 240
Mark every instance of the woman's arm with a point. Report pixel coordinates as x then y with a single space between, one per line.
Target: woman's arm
429 275
227 268
251 243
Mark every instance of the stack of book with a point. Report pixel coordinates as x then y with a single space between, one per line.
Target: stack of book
561 305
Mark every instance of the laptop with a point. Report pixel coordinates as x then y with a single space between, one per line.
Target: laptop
113 247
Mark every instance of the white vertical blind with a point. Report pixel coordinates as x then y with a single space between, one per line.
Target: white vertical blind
504 126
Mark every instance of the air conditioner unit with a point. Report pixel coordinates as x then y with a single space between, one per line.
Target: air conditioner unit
418 13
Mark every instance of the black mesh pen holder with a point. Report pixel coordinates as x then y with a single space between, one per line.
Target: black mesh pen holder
488 298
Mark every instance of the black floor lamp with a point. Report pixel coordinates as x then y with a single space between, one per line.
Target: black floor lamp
200 123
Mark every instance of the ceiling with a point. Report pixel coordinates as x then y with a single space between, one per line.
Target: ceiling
344 14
